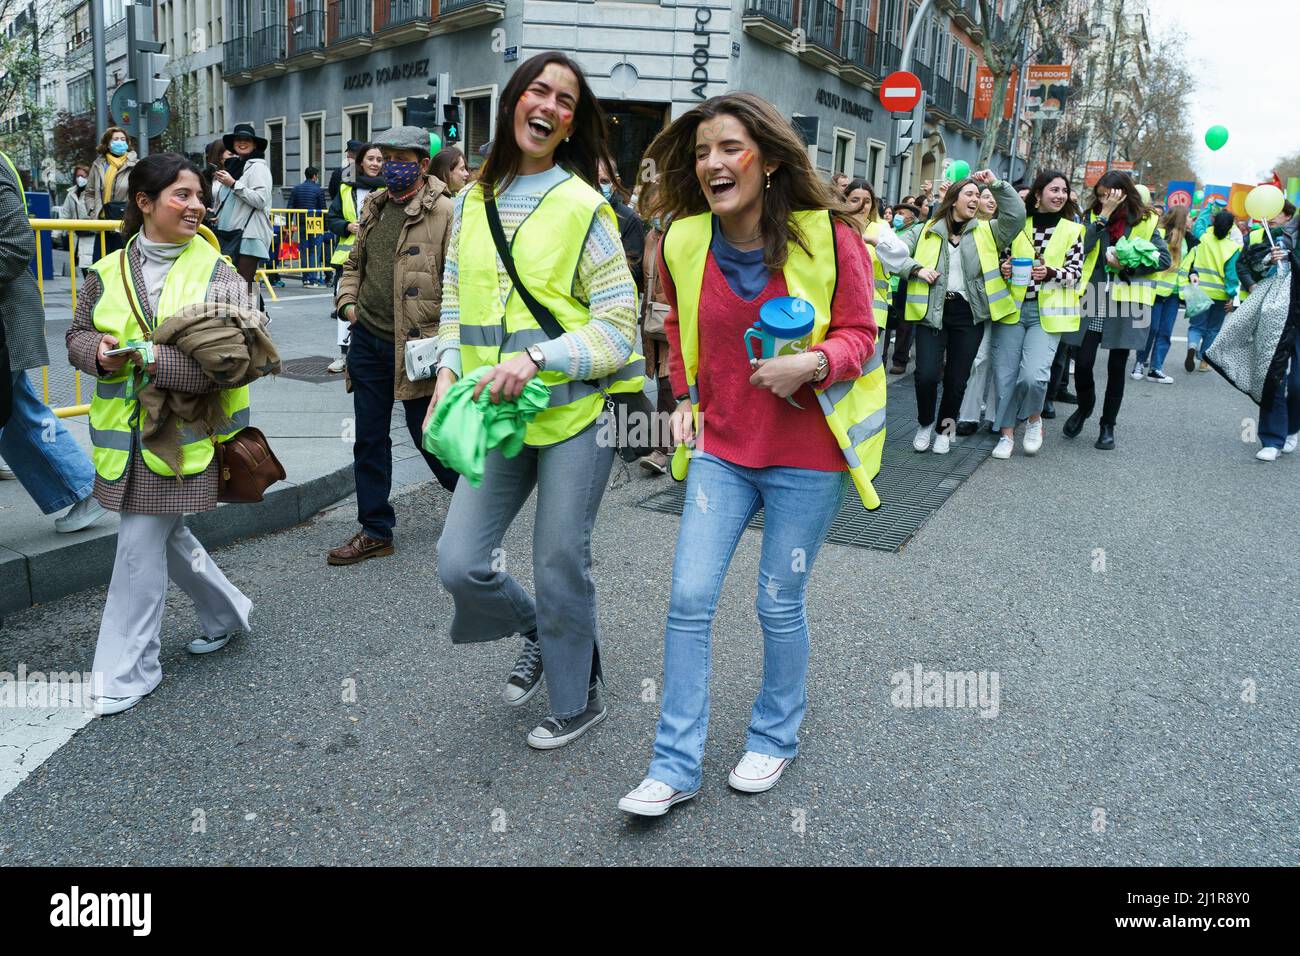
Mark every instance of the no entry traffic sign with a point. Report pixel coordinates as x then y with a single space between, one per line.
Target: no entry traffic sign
900 92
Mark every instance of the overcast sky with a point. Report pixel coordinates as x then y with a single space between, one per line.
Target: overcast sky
1251 89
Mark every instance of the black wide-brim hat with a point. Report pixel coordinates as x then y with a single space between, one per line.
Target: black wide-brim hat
243 131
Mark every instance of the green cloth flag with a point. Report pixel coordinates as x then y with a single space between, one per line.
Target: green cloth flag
1135 253
462 430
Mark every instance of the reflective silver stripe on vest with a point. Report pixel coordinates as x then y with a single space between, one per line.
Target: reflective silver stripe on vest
239 420
833 394
1059 310
566 393
1211 285
490 336
871 425
995 274
110 389
1000 295
922 299
116 440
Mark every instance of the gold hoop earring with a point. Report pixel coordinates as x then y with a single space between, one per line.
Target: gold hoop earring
769 181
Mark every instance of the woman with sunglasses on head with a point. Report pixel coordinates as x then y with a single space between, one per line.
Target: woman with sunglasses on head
1118 299
954 285
535 223
1025 346
750 225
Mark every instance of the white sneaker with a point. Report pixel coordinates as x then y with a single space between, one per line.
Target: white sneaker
1156 375
1290 444
1137 373
338 365
922 440
206 645
1033 437
105 706
941 443
81 516
757 772
1004 449
653 798
1267 454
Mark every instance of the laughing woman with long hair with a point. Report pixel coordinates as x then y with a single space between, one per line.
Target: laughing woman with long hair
750 223
561 239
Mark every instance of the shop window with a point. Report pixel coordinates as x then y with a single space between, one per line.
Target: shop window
476 114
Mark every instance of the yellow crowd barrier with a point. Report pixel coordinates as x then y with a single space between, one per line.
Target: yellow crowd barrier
304 245
101 227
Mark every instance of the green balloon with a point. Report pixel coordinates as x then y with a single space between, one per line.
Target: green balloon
1216 136
435 144
960 170
1198 197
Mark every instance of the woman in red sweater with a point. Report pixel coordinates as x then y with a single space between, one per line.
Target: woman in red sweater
750 218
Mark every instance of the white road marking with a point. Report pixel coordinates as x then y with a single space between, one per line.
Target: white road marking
30 735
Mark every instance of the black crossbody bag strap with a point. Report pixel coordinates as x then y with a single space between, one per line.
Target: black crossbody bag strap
550 325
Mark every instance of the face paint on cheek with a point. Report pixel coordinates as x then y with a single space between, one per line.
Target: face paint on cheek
178 203
746 159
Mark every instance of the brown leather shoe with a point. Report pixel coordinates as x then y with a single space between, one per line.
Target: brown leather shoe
359 548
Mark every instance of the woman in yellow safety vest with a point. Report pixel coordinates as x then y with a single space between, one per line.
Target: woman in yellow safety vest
888 252
560 238
778 381
1116 308
1213 267
361 180
954 283
1024 345
163 268
1151 358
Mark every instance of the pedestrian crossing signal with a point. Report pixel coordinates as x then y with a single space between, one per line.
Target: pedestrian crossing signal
421 111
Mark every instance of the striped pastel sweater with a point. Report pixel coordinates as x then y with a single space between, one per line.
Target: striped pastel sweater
604 283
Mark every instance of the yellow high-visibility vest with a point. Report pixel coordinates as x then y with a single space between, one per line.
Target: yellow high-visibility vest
1002 305
1210 259
880 283
348 201
854 410
546 249
1058 304
1141 289
115 418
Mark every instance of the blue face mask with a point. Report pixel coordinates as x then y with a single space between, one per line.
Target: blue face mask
400 177
898 222
117 147
607 189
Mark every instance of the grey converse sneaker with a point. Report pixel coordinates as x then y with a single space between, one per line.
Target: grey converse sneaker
526 678
206 645
554 732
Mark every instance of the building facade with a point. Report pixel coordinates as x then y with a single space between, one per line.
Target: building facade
312 74
193 33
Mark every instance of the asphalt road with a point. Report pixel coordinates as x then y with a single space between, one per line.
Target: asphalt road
1145 712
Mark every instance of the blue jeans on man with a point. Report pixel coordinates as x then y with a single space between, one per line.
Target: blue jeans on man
798 507
44 456
1282 417
371 369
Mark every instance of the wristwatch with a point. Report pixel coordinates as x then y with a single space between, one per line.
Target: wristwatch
538 356
823 366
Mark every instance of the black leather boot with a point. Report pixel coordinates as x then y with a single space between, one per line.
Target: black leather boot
1074 424
1106 440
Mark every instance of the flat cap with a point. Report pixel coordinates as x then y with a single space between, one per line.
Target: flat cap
404 137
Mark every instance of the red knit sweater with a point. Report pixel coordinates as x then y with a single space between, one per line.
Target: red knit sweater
750 426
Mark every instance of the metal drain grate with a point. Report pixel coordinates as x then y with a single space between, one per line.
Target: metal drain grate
313 368
912 486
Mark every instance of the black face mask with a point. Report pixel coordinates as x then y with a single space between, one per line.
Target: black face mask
234 165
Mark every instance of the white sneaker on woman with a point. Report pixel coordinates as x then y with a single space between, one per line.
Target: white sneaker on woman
1290 444
756 773
1004 448
653 798
1137 373
1033 437
941 443
1267 454
922 440
107 706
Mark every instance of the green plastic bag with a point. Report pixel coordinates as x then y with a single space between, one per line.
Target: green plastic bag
462 430
1196 300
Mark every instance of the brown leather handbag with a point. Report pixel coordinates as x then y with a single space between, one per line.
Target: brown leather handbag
246 467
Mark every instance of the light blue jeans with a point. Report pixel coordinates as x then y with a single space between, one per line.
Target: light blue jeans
42 453
798 508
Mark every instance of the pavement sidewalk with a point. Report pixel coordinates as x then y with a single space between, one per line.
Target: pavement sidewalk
308 425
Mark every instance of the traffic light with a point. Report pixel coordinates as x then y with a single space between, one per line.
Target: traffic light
422 111
154 79
451 120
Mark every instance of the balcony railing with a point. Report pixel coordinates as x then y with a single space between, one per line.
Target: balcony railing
778 11
820 20
943 94
961 104
858 46
236 55
347 20
307 32
925 73
454 6
267 45
888 56
394 13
